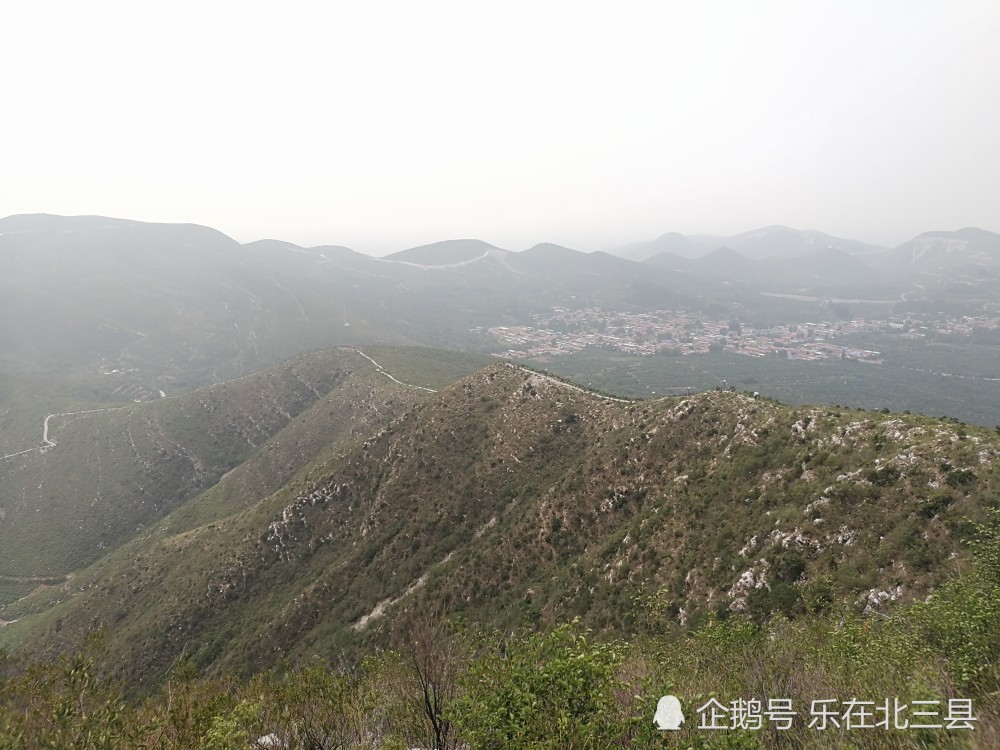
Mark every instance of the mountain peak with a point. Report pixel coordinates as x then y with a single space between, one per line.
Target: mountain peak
967 233
57 223
443 253
550 248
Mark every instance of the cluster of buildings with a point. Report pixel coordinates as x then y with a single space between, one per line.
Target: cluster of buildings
674 333
670 332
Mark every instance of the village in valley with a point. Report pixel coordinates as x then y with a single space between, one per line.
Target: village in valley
677 333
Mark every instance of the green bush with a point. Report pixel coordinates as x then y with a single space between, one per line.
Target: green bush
551 690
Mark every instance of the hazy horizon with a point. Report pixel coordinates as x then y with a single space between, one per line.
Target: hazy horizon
390 251
388 126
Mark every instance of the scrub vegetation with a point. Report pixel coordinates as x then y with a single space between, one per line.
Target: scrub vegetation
517 561
518 501
444 685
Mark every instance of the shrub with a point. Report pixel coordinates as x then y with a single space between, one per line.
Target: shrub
543 691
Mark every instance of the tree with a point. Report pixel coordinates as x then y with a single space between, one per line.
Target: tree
434 657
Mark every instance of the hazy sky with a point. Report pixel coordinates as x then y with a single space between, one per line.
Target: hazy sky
384 125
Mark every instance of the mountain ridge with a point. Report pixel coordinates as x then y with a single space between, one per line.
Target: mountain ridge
508 481
442 253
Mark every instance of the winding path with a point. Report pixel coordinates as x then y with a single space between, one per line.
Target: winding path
536 373
392 377
47 443
571 386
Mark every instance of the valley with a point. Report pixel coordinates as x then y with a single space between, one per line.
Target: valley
441 376
305 451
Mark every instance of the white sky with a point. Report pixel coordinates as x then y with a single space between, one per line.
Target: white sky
383 125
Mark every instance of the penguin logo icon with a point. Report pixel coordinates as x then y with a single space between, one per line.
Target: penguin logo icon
669 715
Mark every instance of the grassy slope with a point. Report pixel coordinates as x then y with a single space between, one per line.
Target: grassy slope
360 401
181 446
513 499
115 471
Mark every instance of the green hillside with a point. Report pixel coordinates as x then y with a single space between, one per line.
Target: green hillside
111 471
114 471
513 499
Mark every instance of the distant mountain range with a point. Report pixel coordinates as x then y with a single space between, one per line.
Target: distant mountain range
770 252
119 309
785 242
93 292
969 250
304 508
757 244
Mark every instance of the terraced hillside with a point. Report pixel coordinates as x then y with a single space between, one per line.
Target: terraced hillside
512 498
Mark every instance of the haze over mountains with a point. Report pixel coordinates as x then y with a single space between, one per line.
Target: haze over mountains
767 242
969 248
240 454
373 433
119 309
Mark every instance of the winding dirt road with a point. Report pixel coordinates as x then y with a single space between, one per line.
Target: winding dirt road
47 443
